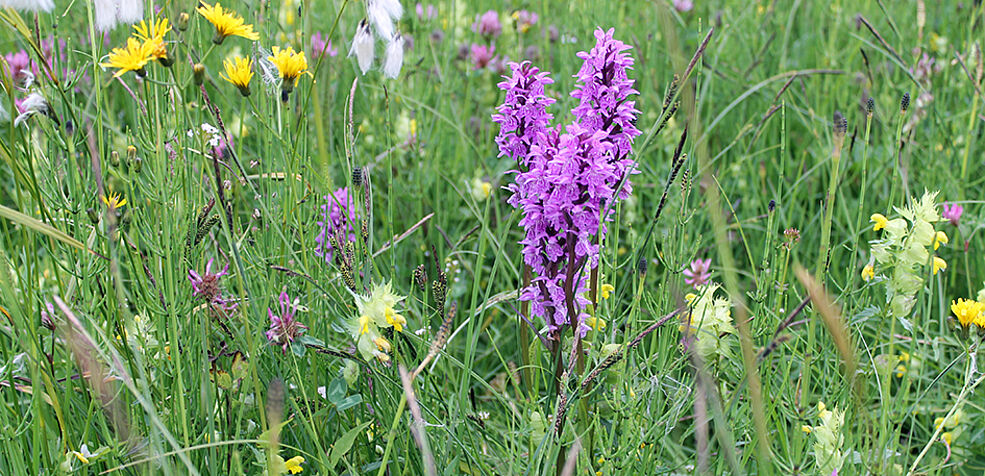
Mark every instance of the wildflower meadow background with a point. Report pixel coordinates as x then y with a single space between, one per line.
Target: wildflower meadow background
491 238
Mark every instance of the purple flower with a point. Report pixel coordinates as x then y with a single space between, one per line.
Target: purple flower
568 177
336 223
482 55
683 5
22 68
952 212
321 45
523 115
488 24
603 88
428 13
284 329
699 273
206 286
524 20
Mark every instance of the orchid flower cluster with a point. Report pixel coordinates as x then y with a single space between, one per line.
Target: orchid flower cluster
335 227
568 178
903 251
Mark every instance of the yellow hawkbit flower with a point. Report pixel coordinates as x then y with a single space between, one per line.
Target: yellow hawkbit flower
880 221
227 23
113 201
132 57
606 290
291 65
940 239
868 272
239 71
967 311
939 264
152 34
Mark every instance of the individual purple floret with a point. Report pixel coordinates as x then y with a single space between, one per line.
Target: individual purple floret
206 286
336 223
284 329
523 114
952 213
699 273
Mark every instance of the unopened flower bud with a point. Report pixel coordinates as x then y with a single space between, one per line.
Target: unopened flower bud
182 23
114 158
137 165
131 153
199 73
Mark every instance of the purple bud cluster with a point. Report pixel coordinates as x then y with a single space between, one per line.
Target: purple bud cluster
568 178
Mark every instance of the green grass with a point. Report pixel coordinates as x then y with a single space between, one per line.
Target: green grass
144 375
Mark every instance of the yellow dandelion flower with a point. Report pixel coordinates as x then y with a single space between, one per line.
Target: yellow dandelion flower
606 290
939 264
967 311
868 272
291 65
132 57
940 239
294 464
239 71
880 221
227 23
113 201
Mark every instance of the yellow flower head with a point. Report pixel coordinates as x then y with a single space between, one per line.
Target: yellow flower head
363 324
939 264
596 323
227 23
606 289
239 71
113 201
291 64
868 272
396 320
967 311
880 221
940 239
152 34
294 464
382 344
132 57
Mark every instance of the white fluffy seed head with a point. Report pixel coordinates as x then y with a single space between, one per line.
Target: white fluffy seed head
363 47
394 57
29 5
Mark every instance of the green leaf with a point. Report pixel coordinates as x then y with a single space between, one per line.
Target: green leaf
349 403
336 391
298 349
43 228
344 443
314 341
